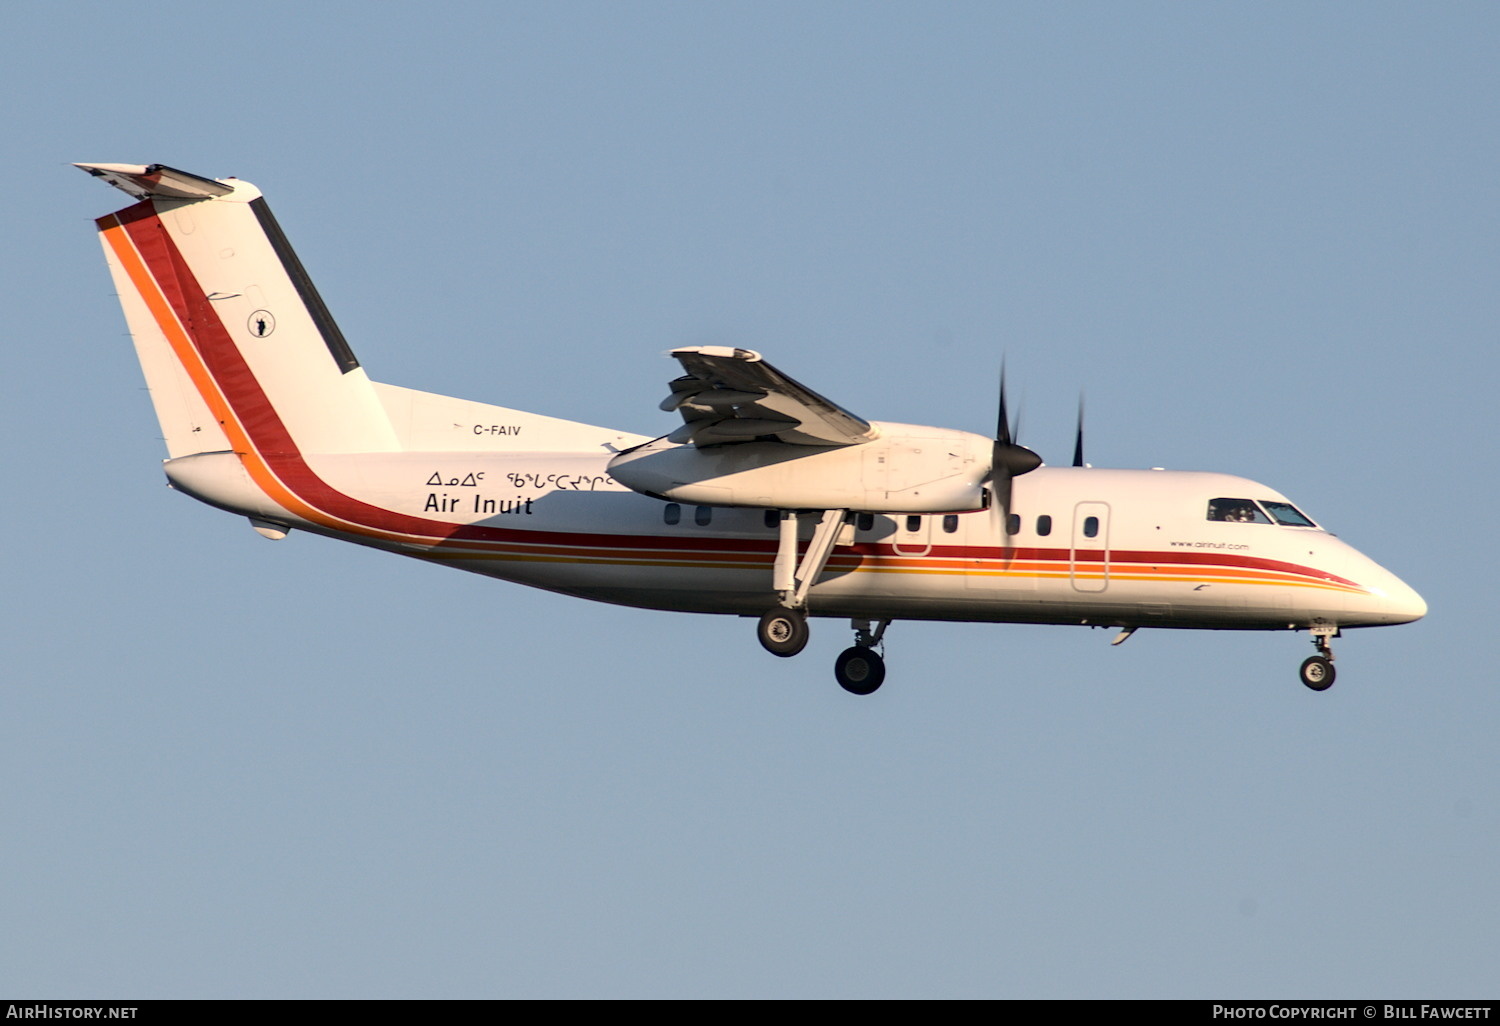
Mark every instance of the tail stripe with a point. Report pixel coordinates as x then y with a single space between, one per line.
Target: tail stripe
270 455
332 336
227 384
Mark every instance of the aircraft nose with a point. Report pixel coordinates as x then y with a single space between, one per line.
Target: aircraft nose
1411 606
1402 602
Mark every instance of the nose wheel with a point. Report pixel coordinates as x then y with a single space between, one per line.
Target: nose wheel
1317 671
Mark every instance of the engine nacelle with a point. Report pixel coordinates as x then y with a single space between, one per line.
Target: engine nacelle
907 468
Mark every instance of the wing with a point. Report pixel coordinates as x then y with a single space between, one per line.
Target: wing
732 395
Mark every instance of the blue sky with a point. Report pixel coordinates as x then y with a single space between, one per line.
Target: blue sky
1261 238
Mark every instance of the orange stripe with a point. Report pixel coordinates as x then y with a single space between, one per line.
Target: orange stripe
192 362
262 474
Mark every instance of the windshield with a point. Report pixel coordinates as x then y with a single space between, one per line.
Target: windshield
1286 514
1248 511
1236 511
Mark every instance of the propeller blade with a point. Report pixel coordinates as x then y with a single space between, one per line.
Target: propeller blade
1002 426
1007 457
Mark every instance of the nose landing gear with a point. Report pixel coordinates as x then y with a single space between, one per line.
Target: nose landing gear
1317 671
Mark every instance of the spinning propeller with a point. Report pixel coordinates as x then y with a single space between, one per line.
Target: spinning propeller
1009 459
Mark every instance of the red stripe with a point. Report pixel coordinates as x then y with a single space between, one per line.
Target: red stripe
274 443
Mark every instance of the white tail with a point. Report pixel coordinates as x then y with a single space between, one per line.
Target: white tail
241 354
228 325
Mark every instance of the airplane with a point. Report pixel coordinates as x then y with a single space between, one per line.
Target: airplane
768 500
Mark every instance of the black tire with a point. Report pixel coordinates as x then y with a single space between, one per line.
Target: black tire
860 671
1317 673
783 632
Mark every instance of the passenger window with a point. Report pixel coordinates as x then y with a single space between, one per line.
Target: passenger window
1236 511
865 521
773 518
1044 525
672 514
950 523
1013 524
1091 527
702 515
913 524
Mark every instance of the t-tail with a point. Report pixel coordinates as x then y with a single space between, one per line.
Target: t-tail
238 348
258 395
252 380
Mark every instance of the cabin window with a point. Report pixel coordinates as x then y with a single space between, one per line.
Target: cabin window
1285 514
864 521
672 513
1091 527
1013 524
1044 525
950 523
913 524
773 518
1236 511
702 515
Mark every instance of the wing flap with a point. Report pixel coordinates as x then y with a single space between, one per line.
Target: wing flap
733 395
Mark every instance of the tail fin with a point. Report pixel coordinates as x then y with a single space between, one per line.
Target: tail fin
238 350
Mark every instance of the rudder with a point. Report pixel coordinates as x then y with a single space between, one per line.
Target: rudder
238 349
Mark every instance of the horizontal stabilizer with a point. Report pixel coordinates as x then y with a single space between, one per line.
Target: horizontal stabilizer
142 180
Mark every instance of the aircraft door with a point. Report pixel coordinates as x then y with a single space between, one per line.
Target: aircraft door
1089 558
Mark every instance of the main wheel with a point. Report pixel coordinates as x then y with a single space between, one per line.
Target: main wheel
1317 673
859 670
783 632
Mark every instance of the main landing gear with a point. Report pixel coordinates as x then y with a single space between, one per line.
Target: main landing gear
858 669
1317 671
783 631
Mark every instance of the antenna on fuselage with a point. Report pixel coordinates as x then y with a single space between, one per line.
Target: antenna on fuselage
1078 437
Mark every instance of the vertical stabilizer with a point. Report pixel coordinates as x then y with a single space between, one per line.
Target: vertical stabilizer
238 349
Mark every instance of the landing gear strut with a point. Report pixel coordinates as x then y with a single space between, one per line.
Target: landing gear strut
783 631
1317 671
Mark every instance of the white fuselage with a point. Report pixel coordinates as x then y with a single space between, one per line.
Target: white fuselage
267 413
1078 545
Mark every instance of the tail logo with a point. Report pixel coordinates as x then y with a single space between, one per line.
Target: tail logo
261 323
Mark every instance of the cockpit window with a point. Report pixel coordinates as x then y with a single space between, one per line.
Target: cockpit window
1236 511
1286 514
